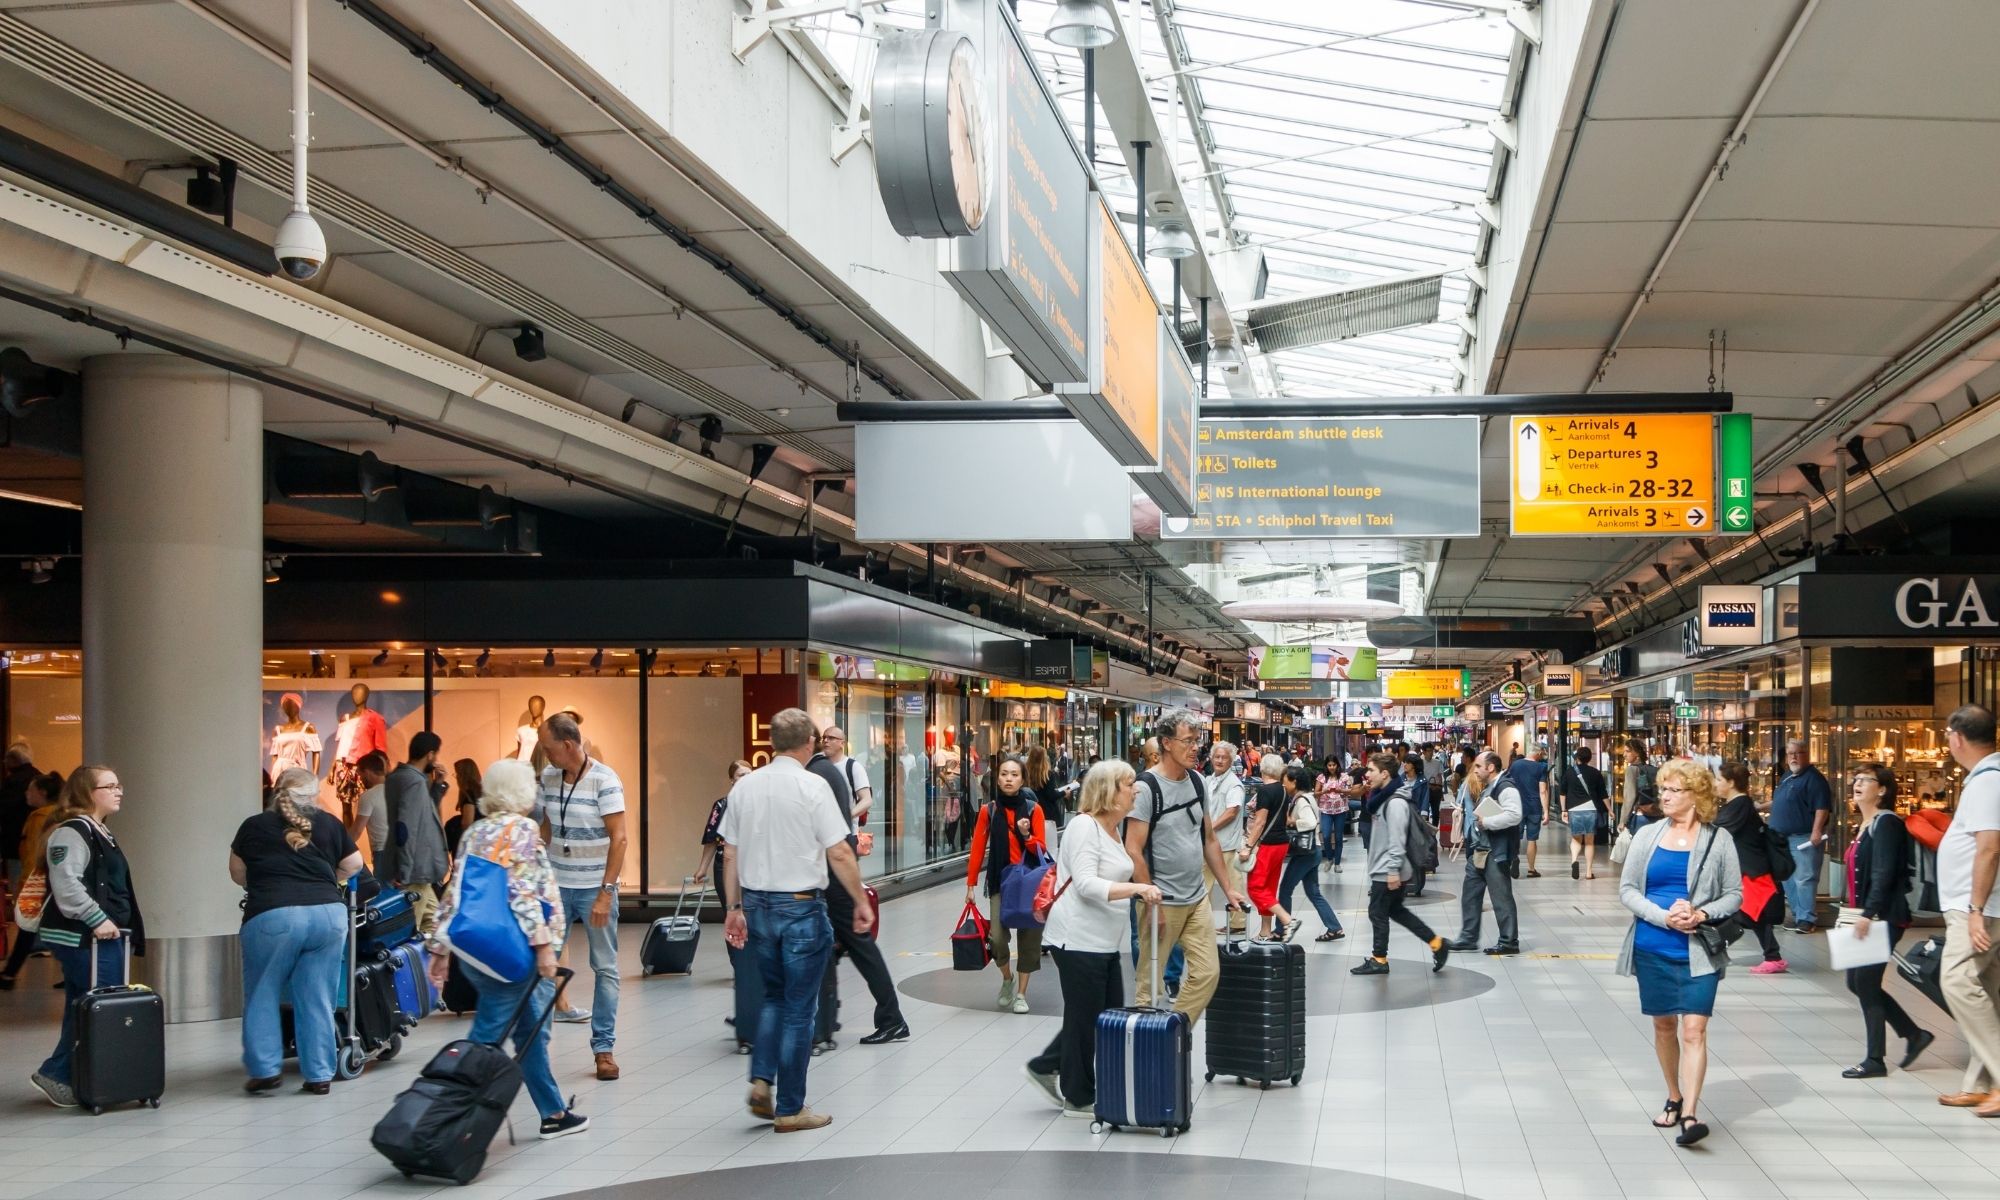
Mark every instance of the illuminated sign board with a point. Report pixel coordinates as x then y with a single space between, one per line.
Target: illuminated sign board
1593 476
1408 477
1428 685
1172 486
1119 400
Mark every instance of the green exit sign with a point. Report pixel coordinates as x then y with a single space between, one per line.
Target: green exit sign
1686 712
1443 712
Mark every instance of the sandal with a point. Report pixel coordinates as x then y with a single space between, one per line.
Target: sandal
1331 935
1672 1115
1692 1131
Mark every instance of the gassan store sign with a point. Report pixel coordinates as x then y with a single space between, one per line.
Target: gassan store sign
1903 605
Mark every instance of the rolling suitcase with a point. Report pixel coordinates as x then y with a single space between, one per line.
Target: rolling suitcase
1257 1021
121 1043
410 971
671 942
1144 1058
373 1009
1922 968
442 1124
387 921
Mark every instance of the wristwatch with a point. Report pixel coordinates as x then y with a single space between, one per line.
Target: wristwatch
736 908
608 888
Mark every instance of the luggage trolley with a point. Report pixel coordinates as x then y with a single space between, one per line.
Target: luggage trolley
368 1023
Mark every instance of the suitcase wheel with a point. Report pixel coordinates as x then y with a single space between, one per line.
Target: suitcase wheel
1209 1077
153 1103
1296 1078
96 1110
391 1049
1168 1131
1263 1085
348 1063
407 1173
645 971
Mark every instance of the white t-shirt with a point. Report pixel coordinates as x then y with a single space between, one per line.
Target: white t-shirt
579 841
1225 791
372 809
1978 812
856 773
780 821
1084 918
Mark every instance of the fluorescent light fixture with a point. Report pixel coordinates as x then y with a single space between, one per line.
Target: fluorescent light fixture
46 501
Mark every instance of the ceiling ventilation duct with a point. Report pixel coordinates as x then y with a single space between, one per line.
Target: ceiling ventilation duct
1335 316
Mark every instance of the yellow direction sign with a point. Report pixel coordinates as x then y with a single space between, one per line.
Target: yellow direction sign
1610 474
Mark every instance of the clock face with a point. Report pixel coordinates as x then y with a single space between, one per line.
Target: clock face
967 133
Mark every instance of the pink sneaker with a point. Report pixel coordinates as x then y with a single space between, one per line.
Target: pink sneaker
1776 967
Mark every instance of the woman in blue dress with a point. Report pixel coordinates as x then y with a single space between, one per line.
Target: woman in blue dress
1681 876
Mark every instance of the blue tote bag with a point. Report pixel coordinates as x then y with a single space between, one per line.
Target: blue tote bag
483 932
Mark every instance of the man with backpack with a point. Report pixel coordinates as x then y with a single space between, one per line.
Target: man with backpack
1171 838
1396 852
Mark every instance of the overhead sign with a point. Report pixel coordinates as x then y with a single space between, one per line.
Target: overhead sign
1295 689
1559 681
1443 712
1428 685
1403 477
1119 400
1732 615
1052 660
1735 504
1592 476
1063 487
1318 661
1511 696
1900 605
1026 269
1686 712
1172 485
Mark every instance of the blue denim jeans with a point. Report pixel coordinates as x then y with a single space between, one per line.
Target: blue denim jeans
1306 871
497 1002
1170 975
1332 837
1800 888
75 964
792 940
298 952
603 960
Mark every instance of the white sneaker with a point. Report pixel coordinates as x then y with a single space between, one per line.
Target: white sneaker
1006 994
572 1016
1087 1112
1047 1084
1336 868
1020 1003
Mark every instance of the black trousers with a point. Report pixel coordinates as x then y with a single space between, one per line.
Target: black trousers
1385 904
1091 983
866 954
1878 1008
1767 939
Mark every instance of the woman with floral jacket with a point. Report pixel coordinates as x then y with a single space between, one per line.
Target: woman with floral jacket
507 836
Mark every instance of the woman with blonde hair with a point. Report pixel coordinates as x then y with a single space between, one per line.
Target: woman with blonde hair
290 861
1087 930
91 903
506 834
1681 877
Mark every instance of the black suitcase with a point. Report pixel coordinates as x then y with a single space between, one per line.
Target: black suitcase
378 1017
1257 1021
1922 967
671 941
121 1042
442 1125
826 1015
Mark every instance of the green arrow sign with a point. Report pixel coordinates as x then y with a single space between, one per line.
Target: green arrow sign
1733 470
1443 712
1686 712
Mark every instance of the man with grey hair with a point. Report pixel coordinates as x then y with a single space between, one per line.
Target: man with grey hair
1171 839
1225 811
583 818
782 835
1492 841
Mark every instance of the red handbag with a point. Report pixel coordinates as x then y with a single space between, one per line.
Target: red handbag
969 948
1047 895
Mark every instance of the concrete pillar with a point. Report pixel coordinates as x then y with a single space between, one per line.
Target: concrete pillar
173 640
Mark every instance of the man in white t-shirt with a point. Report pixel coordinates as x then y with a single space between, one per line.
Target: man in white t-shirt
834 744
582 812
1225 809
1967 861
782 835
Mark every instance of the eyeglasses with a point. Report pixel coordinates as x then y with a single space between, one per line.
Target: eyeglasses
109 787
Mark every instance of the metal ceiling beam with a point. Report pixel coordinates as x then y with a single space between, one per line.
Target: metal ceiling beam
1556 404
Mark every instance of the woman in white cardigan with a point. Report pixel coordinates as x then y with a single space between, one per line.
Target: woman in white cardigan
1087 930
1681 876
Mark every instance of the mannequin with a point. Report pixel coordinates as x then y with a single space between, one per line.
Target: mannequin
527 734
362 730
294 743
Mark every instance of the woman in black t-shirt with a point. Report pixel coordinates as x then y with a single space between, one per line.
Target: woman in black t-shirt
291 861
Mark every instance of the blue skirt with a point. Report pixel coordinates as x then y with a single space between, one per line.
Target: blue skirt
1668 989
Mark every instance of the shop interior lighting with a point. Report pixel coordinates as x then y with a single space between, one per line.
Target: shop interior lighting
528 345
39 569
1171 241
1082 25
273 563
379 659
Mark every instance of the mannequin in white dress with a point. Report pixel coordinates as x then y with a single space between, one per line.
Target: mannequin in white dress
294 743
528 733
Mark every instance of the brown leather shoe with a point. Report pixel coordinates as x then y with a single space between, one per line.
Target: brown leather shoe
760 1100
1989 1109
803 1119
1965 1099
607 1066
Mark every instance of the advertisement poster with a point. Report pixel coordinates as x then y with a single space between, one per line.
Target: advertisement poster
1318 661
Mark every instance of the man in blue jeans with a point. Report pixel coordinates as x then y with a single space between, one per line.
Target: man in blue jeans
583 818
782 835
1801 806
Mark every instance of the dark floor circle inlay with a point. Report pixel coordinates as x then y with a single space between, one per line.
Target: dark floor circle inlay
1044 1173
1330 990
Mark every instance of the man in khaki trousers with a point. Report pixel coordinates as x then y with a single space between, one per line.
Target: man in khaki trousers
1225 809
1968 860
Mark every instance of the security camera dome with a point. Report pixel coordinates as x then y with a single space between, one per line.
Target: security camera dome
300 245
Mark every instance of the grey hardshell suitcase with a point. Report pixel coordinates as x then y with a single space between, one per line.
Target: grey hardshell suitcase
671 942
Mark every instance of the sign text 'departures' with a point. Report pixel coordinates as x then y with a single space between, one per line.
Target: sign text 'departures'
1591 476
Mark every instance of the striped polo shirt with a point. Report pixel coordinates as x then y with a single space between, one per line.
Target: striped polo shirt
579 844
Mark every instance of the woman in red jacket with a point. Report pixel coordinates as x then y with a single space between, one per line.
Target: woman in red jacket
1015 811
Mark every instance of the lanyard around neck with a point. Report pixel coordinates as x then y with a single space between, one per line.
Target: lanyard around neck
563 796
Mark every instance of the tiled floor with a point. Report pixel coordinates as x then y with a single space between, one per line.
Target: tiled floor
1541 1086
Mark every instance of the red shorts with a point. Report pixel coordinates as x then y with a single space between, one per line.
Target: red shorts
1265 874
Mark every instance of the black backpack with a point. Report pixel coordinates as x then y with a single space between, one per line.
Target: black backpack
1649 783
1420 843
1197 808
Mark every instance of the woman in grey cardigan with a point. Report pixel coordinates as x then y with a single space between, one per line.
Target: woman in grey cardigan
1681 875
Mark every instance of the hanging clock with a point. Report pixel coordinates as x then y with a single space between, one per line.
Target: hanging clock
933 133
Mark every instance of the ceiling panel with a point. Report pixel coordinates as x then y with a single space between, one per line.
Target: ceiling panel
1816 258
1879 171
1637 170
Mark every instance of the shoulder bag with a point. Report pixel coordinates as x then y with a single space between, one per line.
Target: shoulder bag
1715 934
1303 839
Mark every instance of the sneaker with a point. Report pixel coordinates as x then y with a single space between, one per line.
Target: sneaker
1020 1003
1775 966
820 1048
1439 953
1048 1085
1371 966
801 1120
1173 987
59 1094
1336 868
1006 994
1086 1111
564 1125
571 1016
1805 929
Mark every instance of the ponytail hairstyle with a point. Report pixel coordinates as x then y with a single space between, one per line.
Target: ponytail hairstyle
75 800
294 797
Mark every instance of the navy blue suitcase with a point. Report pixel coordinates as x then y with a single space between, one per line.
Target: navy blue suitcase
1145 1066
411 972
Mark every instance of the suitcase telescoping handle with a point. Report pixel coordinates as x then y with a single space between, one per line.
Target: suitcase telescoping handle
563 976
699 894
125 937
1151 925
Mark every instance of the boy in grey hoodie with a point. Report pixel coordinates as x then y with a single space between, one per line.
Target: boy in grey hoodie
1389 869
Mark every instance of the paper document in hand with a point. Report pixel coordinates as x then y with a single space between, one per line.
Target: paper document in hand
1844 950
1488 809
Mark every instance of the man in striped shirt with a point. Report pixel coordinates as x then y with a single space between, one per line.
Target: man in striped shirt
583 820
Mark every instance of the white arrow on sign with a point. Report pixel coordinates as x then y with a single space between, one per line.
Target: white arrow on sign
1736 517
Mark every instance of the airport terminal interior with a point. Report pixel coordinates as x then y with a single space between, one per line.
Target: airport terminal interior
1526 461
